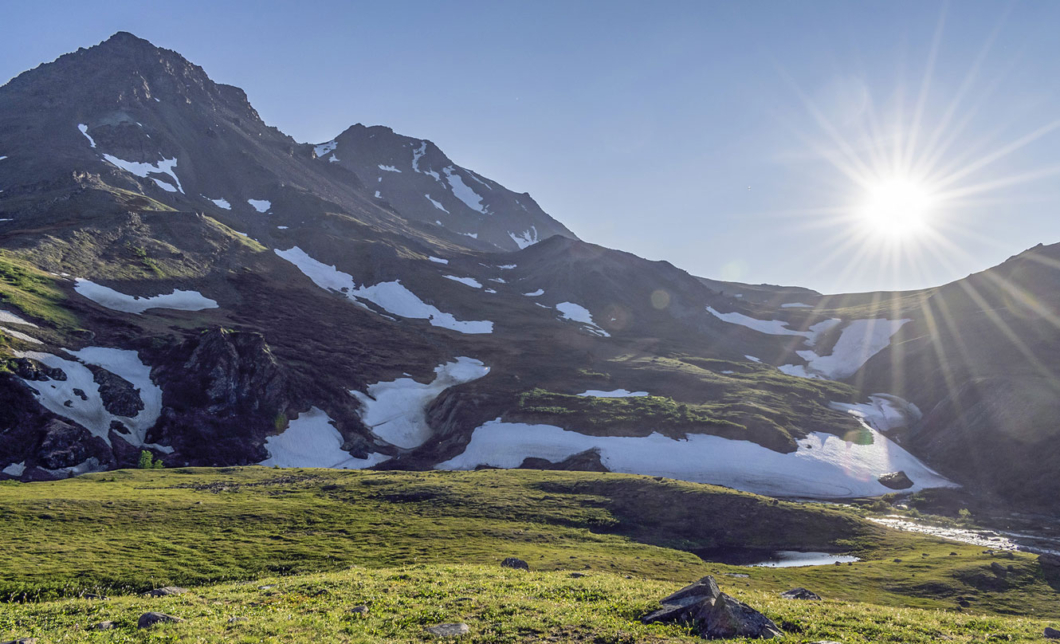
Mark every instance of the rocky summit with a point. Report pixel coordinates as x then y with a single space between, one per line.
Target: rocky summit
180 278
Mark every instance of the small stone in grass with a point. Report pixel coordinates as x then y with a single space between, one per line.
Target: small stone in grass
148 620
360 610
513 562
166 591
104 626
449 630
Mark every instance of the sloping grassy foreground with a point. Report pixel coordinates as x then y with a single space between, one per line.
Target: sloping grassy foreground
498 605
425 546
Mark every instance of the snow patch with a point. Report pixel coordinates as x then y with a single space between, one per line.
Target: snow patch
261 205
471 235
163 185
469 281
378 195
859 341
396 411
617 393
15 469
436 204
222 203
20 335
507 267
462 192
580 314
165 166
325 149
824 466
775 327
498 280
116 301
392 297
796 305
282 227
527 238
311 440
753 359
536 293
84 130
883 412
11 318
388 168
438 260
489 290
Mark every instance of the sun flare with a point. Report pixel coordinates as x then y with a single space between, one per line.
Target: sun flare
897 207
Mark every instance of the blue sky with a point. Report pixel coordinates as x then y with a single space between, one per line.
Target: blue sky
731 138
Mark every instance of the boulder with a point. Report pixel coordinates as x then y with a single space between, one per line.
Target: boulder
359 610
895 480
800 593
449 630
147 620
683 605
513 562
104 626
1051 633
729 618
166 591
119 395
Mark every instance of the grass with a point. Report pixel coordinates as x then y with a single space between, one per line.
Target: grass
32 291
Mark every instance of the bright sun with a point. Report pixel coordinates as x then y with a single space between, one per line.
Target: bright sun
897 207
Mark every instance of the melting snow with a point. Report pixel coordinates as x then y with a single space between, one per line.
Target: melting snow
312 441
116 301
165 166
84 130
11 318
417 154
489 290
617 393
883 412
378 195
395 411
536 293
469 281
261 205
527 238
578 313
392 297
325 149
15 469
507 267
163 185
91 413
776 327
471 235
753 359
20 335
222 203
281 227
388 168
824 466
859 341
436 204
438 260
462 192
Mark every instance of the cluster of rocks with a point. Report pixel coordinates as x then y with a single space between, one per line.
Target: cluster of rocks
713 614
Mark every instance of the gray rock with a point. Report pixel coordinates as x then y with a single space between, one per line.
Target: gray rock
166 591
685 604
895 480
237 620
360 610
449 630
104 626
578 575
800 593
518 564
729 618
147 620
1052 633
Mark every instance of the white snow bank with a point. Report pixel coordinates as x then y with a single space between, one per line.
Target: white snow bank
883 411
462 192
617 393
388 168
91 413
824 466
20 335
536 293
116 301
261 205
796 305
436 204
526 238
222 203
580 314
312 441
468 281
163 185
165 166
15 469
11 318
776 327
396 411
84 130
753 359
392 297
325 149
859 341
438 260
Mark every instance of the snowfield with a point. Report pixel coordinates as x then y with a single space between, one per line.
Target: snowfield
617 393
883 412
91 413
392 297
396 411
859 341
526 238
312 441
116 301
580 314
462 192
824 466
467 281
142 170
776 327
261 205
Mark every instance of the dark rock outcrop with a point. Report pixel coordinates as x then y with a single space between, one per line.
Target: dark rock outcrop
66 445
119 396
895 480
800 593
513 562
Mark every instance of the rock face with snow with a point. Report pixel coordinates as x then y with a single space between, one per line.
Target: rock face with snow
203 286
